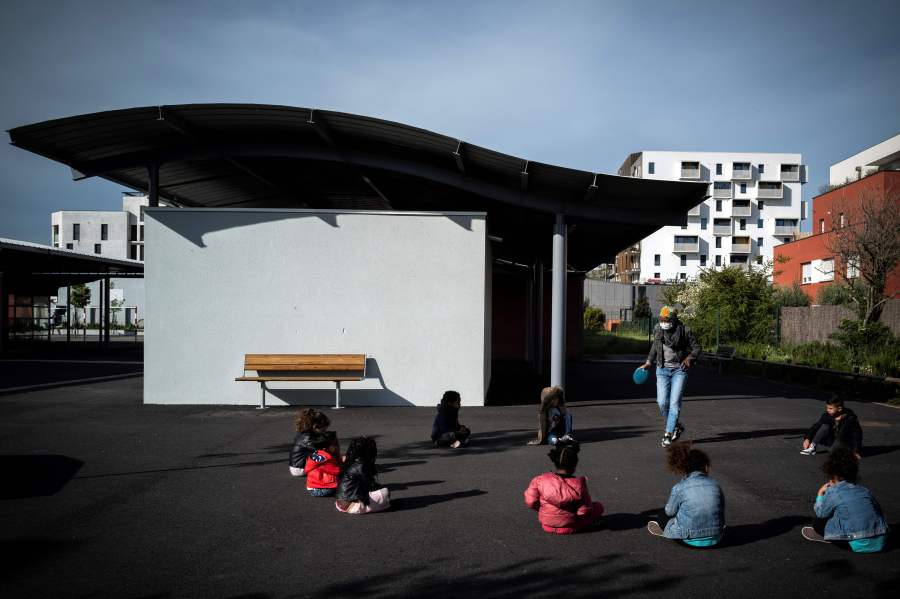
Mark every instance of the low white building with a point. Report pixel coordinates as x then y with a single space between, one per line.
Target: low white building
885 155
755 203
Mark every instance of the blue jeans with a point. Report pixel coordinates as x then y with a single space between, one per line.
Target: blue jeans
552 439
669 386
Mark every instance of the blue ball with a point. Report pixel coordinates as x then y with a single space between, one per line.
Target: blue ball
640 376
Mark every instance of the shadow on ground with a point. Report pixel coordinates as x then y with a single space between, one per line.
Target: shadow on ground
35 475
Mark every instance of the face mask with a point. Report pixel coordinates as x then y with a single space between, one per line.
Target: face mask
665 325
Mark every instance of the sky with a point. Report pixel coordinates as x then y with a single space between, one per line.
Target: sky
575 84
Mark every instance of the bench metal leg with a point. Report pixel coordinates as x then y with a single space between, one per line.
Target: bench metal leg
262 399
337 396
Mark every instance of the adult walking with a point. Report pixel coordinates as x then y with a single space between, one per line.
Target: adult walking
673 351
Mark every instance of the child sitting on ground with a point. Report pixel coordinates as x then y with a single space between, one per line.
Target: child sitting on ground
837 427
562 499
847 511
554 420
446 430
310 425
358 491
696 504
323 466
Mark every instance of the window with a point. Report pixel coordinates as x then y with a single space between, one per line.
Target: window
842 220
142 253
821 225
827 269
760 205
56 235
104 232
718 242
718 260
655 275
759 223
702 259
762 168
656 259
684 226
142 213
718 168
651 168
703 222
133 254
802 210
786 239
743 224
141 232
96 248
682 276
133 234
743 188
759 259
718 205
683 259
76 232
759 242
806 272
69 246
852 267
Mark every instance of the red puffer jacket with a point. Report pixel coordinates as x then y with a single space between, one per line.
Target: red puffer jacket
322 470
563 502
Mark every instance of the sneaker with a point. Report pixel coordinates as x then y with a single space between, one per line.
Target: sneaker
455 444
567 438
679 430
810 534
811 450
654 528
666 440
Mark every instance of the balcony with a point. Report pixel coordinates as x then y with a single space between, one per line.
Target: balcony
722 226
740 208
740 245
741 171
695 211
690 170
685 244
770 190
722 190
790 172
785 227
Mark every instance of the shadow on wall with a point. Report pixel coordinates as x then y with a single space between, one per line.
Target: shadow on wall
36 475
194 230
349 396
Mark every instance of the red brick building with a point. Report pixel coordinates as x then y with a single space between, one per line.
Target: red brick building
807 261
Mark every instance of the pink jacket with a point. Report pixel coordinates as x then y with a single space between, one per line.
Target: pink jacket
563 504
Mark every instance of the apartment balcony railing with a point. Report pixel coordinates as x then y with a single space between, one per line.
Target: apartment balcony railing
722 193
790 172
722 229
740 210
687 247
786 229
740 245
770 191
741 172
690 172
695 211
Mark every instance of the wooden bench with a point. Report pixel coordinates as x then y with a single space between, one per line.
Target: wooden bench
304 367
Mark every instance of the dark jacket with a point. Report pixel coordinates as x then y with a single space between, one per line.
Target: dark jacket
846 433
679 338
355 483
445 421
305 444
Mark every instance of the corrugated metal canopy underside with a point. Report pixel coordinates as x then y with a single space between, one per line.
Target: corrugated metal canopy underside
239 155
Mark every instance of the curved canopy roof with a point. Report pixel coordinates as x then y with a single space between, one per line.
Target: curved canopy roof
245 155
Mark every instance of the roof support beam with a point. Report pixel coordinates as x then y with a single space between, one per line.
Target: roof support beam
458 156
524 177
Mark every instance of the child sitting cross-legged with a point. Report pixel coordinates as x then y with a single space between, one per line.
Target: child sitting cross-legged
845 510
358 491
323 466
561 498
696 505
310 425
446 431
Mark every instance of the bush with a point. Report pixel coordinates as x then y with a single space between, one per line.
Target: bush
834 295
642 308
793 296
740 301
594 318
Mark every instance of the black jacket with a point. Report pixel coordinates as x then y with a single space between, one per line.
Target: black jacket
680 338
445 421
355 484
304 446
847 432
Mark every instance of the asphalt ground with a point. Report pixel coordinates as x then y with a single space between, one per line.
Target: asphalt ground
106 497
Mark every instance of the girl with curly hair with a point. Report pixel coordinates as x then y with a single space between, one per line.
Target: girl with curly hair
310 426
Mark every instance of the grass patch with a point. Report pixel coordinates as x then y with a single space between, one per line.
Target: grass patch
596 344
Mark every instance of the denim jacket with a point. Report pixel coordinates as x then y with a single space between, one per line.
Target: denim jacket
852 513
698 505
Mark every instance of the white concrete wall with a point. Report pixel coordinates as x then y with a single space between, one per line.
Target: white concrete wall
90 221
407 289
887 151
667 165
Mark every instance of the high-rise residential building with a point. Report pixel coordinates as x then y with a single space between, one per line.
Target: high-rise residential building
116 234
755 204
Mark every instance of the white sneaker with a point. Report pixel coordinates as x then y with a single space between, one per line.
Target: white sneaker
455 444
679 430
811 450
666 440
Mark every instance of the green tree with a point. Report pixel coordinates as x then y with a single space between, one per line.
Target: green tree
834 295
594 318
80 297
672 295
789 297
642 308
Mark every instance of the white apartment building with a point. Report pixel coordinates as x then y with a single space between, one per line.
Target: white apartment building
883 156
116 234
755 204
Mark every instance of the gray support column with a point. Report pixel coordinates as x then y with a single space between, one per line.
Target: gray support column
153 191
4 317
106 311
539 345
68 313
100 305
558 313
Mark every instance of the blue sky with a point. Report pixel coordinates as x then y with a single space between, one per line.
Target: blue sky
577 84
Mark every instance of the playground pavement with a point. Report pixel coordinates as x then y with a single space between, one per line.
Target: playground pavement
106 497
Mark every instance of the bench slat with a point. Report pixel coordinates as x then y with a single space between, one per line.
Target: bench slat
303 367
305 358
297 378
